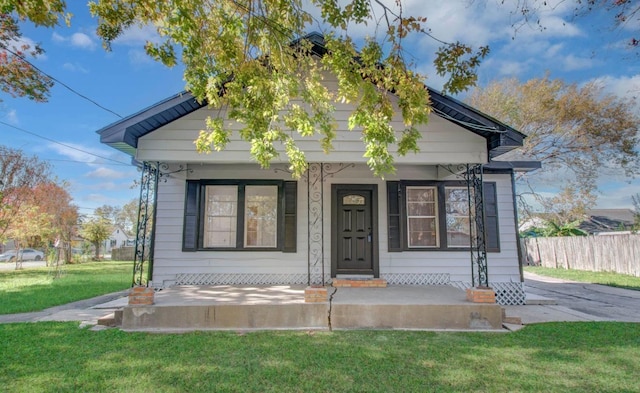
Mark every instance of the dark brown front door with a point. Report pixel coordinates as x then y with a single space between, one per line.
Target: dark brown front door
354 230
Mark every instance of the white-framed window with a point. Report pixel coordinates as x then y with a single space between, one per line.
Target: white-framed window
240 215
256 226
261 216
422 217
221 216
434 216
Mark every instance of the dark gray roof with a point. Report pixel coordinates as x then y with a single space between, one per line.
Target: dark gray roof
516 166
123 134
607 220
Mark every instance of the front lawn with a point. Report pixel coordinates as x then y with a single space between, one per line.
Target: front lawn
36 289
604 278
552 357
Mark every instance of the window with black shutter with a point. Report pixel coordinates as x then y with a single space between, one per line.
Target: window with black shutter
432 215
245 215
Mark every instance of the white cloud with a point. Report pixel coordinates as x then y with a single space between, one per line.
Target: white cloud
82 153
77 40
99 199
623 86
12 117
553 51
512 68
75 67
108 173
138 36
139 57
57 38
617 195
574 63
83 41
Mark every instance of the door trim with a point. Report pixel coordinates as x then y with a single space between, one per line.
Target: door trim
373 188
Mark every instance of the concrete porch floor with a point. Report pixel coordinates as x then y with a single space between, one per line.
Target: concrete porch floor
188 308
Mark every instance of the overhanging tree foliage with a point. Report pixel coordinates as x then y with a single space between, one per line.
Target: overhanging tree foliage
18 77
239 56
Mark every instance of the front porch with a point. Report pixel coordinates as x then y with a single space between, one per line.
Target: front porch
223 307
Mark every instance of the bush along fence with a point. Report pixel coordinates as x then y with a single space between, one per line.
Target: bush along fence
605 253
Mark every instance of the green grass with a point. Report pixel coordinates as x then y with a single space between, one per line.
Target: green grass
36 289
553 357
604 278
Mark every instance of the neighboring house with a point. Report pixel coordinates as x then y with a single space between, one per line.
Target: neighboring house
597 221
117 239
220 219
608 220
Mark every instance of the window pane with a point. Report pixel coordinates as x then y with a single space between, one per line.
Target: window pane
260 216
422 232
221 216
422 217
353 200
457 216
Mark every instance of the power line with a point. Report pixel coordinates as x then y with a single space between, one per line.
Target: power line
61 83
61 144
76 161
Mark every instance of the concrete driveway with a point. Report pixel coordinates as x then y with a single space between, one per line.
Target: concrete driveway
25 265
576 301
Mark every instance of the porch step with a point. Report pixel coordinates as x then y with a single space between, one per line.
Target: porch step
360 283
112 319
251 308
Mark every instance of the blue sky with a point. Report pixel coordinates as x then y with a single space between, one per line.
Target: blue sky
125 81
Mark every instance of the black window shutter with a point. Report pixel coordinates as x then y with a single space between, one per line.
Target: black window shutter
290 220
394 229
190 230
491 217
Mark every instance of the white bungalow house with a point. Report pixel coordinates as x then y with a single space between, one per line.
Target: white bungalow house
220 219
118 238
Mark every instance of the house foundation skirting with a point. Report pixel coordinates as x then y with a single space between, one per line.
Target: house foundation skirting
417 278
245 279
507 293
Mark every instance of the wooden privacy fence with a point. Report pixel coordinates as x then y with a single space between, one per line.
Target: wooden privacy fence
125 254
605 253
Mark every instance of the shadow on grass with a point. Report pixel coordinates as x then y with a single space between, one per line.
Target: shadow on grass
547 357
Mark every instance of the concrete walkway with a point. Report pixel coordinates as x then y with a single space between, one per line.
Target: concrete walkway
87 312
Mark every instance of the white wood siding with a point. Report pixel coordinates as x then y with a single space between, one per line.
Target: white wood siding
170 260
443 142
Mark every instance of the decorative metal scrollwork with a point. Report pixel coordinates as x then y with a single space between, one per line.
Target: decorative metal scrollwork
164 173
315 229
479 273
316 175
144 230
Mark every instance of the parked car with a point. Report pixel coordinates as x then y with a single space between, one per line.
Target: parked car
26 254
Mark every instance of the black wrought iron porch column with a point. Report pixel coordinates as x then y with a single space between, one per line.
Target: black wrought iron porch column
479 274
145 229
315 226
